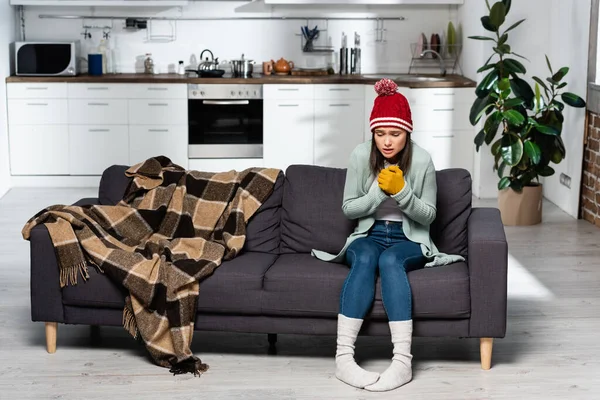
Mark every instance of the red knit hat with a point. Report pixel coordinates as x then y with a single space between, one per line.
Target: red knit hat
391 108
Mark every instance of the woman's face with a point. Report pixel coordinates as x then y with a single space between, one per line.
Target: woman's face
390 142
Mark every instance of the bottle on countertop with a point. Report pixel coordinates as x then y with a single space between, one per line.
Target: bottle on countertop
148 64
103 50
181 68
344 55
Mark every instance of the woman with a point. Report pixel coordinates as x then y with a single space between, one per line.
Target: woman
391 190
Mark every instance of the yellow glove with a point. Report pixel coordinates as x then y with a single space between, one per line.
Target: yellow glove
391 180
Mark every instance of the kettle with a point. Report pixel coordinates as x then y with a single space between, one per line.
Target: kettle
208 65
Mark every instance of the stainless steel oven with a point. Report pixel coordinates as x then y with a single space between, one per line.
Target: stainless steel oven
225 121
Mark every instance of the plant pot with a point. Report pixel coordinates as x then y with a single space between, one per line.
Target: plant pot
521 209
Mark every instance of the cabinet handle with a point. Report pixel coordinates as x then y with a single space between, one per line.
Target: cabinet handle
37 88
339 90
158 130
443 109
226 102
37 104
288 90
97 104
288 105
339 105
158 88
98 88
158 104
443 136
98 130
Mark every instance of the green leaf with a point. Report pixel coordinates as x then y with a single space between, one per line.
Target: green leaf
522 89
560 146
557 77
552 81
501 169
503 84
513 26
514 66
542 84
546 171
549 66
496 147
511 103
558 105
498 14
533 151
520 56
487 24
562 85
547 130
514 117
489 59
504 183
512 149
479 106
538 96
491 126
479 139
572 99
502 39
486 84
486 67
482 38
507 4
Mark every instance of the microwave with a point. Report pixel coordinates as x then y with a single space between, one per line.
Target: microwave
46 58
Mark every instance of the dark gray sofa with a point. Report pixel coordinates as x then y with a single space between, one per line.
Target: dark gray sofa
276 286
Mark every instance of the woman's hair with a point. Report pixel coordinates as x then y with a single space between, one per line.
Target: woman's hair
377 160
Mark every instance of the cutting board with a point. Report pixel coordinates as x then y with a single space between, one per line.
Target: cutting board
308 72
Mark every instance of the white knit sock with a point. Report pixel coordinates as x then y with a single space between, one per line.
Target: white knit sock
346 368
400 371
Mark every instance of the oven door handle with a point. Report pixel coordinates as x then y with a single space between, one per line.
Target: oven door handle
226 102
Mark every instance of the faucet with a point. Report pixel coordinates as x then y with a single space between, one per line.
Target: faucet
442 64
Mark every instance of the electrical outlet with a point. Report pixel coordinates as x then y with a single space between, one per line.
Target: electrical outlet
565 180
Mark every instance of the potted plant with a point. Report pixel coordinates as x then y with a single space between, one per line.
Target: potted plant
529 121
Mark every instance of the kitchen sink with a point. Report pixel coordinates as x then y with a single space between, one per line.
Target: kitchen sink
406 77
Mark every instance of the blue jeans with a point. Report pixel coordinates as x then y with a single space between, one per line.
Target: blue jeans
385 249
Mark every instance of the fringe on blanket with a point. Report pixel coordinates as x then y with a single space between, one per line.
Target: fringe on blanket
129 321
68 275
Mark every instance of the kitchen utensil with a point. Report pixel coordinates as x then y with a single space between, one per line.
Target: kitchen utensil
267 67
212 73
242 67
207 64
282 66
95 64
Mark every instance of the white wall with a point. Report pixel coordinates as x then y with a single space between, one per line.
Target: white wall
7 35
560 30
258 40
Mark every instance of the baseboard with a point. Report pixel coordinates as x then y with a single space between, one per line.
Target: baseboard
55 181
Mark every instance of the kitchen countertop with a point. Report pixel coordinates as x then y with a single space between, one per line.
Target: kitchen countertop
404 80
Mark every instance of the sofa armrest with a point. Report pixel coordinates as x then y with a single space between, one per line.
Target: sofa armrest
113 184
88 200
488 270
46 295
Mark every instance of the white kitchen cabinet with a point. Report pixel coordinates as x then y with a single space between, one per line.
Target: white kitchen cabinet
93 148
338 130
109 3
157 112
98 111
39 149
288 130
361 2
99 90
452 149
147 141
36 90
34 111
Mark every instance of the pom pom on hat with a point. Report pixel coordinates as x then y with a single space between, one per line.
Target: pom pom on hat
391 108
386 87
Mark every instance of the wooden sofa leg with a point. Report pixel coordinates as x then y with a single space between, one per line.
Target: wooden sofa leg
485 349
51 328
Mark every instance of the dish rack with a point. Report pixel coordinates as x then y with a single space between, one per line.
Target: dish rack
450 55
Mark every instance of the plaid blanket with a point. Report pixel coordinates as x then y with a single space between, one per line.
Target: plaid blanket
172 228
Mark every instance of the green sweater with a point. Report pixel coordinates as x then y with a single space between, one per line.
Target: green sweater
417 201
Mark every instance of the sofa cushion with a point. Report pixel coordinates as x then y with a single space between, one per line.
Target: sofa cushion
234 287
263 232
301 285
449 230
312 216
113 184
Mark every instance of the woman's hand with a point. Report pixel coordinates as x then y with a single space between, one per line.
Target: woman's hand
391 180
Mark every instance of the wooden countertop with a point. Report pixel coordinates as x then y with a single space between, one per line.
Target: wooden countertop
404 80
